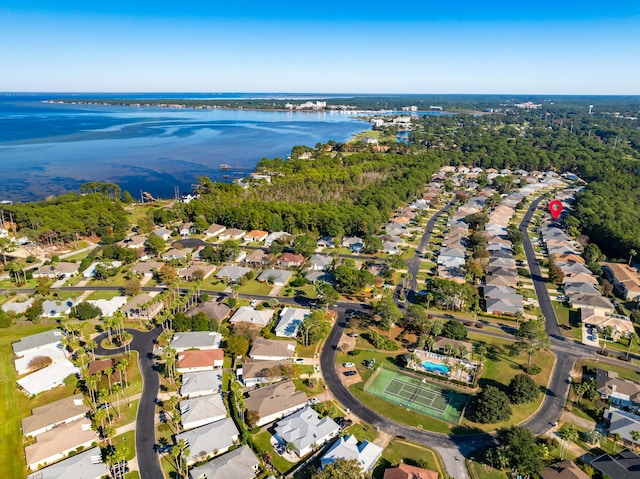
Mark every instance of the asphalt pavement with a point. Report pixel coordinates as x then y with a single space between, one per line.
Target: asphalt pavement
148 460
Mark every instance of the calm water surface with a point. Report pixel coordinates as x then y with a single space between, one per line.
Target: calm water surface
53 148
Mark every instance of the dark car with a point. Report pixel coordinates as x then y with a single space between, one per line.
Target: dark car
350 373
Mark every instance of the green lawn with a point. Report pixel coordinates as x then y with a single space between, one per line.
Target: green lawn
568 317
15 405
483 471
255 287
402 451
501 365
128 440
103 295
262 442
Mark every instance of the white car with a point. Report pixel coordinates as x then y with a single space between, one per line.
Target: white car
349 365
313 401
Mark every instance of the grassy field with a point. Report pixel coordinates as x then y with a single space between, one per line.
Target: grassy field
15 405
483 471
501 365
103 295
568 317
402 451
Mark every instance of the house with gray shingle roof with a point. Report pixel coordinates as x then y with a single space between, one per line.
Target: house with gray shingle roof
232 273
202 410
290 321
182 341
209 440
304 429
240 463
278 277
84 465
271 349
275 402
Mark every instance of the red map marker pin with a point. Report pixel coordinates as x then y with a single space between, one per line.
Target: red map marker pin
555 208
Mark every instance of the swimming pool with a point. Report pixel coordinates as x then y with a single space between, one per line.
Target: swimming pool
435 367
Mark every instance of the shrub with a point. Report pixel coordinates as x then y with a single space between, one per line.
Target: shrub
380 342
532 370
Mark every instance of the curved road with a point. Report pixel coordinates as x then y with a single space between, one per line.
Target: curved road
148 461
552 405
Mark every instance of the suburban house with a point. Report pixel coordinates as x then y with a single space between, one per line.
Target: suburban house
176 254
500 280
442 345
623 392
354 243
134 242
142 306
195 340
56 270
290 260
45 418
56 309
48 378
209 440
86 465
195 360
320 262
47 344
305 429
366 453
261 372
109 306
258 317
580 289
562 470
232 273
214 230
580 278
624 279
275 236
271 350
90 272
506 307
200 384
405 471
241 463
621 326
234 234
599 304
18 305
314 276
624 465
290 321
202 410
147 268
257 258
196 271
256 236
213 309
623 423
275 402
187 229
56 443
277 277
163 233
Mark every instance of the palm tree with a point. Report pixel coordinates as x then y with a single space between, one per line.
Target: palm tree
181 452
91 345
633 338
616 439
121 367
635 435
430 343
632 254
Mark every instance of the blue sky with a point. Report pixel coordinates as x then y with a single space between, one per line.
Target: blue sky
428 46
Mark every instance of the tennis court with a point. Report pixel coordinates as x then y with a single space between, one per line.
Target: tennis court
421 395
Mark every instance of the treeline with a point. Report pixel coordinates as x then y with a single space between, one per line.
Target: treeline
64 218
602 149
334 194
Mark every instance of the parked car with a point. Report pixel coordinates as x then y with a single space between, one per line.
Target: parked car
298 360
313 401
353 335
350 373
346 423
349 365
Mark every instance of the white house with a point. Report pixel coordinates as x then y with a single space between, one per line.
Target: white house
46 344
85 465
271 350
202 410
45 418
48 378
209 440
240 463
304 429
290 321
246 314
195 340
366 453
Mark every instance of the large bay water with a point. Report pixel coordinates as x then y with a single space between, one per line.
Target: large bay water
50 148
